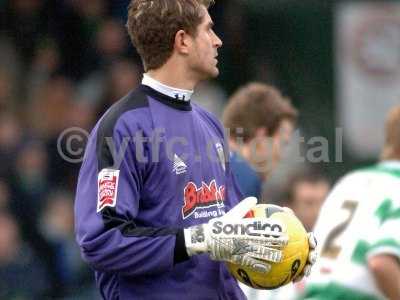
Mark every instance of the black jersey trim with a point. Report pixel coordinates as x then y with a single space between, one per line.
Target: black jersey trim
167 100
135 99
180 253
128 228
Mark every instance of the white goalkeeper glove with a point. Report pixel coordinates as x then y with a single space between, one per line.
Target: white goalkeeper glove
312 254
249 242
312 258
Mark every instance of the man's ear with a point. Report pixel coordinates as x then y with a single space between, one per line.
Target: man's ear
183 42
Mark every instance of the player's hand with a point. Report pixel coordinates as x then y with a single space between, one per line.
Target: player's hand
312 258
250 242
312 254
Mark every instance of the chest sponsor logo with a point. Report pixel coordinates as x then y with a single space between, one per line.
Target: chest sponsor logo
107 188
253 228
208 198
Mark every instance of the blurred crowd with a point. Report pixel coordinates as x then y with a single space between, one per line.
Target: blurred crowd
62 64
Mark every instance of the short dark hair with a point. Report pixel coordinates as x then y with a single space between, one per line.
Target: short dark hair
308 175
257 105
153 24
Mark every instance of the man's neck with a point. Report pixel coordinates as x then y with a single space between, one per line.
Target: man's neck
174 75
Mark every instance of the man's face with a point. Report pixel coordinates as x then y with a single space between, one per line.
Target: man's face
308 198
203 55
267 150
280 140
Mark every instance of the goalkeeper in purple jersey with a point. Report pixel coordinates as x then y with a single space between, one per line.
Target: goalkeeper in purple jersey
154 185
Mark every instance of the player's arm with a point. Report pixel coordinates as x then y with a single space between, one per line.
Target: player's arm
109 190
386 270
383 256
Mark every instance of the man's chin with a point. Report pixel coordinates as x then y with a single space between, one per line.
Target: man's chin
215 72
207 74
210 74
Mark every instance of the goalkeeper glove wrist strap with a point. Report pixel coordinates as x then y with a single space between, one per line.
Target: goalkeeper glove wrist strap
195 239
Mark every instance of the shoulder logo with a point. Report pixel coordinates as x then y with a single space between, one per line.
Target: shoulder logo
107 182
221 154
179 165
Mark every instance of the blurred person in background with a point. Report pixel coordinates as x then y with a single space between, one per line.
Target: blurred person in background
48 112
5 195
25 23
111 42
260 122
306 192
53 110
106 85
6 91
359 230
111 68
121 77
46 62
10 67
11 134
29 188
79 120
22 274
57 226
74 27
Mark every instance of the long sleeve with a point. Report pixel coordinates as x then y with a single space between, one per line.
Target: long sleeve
108 198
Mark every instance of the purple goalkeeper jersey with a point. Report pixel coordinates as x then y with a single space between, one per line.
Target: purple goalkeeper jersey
153 166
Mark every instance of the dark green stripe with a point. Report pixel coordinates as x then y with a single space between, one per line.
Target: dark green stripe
363 247
387 211
360 252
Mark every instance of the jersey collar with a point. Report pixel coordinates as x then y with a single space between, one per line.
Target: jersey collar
164 99
172 92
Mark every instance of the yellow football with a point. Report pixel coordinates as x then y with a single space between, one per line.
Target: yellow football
295 253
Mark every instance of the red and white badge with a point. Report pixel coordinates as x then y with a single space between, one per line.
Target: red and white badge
107 188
